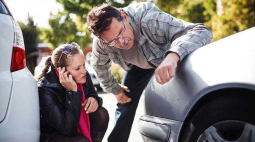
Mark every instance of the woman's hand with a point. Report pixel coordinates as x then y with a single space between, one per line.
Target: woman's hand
67 80
90 105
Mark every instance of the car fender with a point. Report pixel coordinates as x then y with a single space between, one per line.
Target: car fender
227 63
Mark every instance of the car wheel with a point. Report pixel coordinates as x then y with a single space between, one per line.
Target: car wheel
225 119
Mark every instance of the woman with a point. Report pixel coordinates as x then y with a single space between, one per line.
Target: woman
71 110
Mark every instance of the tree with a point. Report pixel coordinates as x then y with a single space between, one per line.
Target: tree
192 11
30 34
82 7
70 25
65 30
168 6
237 16
197 11
210 9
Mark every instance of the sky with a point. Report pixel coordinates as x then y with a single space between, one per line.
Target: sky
38 9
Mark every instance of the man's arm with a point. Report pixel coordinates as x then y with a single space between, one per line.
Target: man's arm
101 64
181 37
192 37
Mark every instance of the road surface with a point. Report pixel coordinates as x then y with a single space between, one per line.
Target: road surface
109 102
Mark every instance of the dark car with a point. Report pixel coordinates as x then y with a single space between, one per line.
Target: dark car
211 98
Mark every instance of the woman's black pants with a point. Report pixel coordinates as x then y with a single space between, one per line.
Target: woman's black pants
98 126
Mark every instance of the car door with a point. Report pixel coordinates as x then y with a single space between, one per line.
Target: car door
6 46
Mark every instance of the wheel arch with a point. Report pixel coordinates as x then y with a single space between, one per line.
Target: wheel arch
209 96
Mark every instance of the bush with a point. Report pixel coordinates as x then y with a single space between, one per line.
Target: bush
118 72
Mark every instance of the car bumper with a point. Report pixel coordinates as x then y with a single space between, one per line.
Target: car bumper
22 121
155 129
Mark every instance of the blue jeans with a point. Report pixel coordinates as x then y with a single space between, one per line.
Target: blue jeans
136 80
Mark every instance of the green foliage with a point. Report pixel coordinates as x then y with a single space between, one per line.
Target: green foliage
210 9
82 7
66 29
42 37
118 72
30 34
168 6
197 11
192 11
237 15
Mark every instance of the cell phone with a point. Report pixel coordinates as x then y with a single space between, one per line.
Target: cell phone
68 76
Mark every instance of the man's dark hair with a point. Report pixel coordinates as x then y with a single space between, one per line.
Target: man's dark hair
100 18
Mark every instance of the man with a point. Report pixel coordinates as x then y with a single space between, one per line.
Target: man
142 40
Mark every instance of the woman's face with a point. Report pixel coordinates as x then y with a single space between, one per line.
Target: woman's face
77 68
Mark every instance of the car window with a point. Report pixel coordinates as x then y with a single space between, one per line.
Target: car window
3 9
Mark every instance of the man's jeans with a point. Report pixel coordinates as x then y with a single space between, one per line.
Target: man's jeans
136 80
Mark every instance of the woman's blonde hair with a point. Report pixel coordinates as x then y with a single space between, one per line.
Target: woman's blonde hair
59 59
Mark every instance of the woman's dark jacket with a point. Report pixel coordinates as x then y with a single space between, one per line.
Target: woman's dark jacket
60 108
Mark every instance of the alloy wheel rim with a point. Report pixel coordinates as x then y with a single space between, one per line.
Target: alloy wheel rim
229 131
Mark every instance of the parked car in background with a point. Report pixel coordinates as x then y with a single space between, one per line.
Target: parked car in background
93 76
211 98
19 102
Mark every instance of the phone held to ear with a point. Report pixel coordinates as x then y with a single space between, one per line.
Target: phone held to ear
73 77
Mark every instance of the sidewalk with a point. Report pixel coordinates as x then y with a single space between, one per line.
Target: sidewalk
110 104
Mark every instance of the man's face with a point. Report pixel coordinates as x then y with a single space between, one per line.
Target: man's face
119 35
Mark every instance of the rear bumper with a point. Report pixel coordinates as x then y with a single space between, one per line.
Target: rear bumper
22 121
155 129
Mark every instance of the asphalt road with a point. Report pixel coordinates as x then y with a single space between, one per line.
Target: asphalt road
110 104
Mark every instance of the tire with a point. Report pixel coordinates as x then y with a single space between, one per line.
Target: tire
227 117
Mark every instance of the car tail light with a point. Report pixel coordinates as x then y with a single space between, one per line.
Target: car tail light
18 59
18 52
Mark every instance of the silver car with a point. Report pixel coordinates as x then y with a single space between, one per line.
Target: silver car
19 102
211 98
